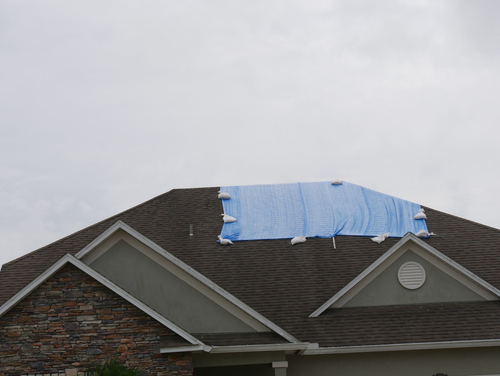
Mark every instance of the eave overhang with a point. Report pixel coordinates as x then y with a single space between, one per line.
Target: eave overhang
289 347
403 347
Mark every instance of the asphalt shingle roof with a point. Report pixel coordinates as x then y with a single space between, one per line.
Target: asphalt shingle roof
286 283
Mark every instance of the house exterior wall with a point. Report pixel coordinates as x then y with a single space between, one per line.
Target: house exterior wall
463 362
247 370
72 320
240 364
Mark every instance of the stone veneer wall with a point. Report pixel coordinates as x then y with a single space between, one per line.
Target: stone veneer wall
72 320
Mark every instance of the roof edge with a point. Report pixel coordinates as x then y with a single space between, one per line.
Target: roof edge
120 225
403 347
462 218
178 349
301 346
85 228
20 295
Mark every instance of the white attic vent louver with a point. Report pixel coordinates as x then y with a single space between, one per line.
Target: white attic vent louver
411 275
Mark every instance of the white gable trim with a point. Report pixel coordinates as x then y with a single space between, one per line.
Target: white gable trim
410 246
178 349
168 266
119 225
434 252
125 295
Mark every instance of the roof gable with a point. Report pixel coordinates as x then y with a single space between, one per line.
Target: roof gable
84 268
439 286
459 282
168 289
109 237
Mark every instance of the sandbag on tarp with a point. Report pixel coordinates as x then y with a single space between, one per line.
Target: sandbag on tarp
284 211
223 196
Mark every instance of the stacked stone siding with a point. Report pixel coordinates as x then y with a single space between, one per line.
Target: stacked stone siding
72 320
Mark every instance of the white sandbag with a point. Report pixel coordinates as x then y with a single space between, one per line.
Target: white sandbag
225 241
223 196
420 215
422 234
228 219
380 238
337 182
298 239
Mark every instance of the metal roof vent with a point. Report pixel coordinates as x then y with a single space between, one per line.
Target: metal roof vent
411 275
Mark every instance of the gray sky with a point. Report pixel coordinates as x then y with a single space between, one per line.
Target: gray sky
104 105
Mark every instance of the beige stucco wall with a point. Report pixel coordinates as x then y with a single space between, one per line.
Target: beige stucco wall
453 362
385 289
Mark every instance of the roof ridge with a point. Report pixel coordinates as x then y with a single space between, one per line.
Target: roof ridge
88 227
462 218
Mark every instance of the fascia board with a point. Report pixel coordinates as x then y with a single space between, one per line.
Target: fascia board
260 348
120 225
405 239
403 347
100 278
169 350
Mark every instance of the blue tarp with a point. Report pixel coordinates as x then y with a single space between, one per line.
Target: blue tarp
283 211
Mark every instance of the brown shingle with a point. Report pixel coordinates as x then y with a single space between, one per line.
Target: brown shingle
282 282
415 323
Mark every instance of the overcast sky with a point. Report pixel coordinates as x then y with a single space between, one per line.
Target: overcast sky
104 105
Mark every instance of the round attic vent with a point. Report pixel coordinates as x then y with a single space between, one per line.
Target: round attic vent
411 275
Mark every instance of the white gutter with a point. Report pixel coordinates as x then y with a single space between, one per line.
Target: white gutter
243 348
403 347
255 348
168 350
306 348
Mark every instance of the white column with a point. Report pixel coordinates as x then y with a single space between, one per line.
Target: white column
280 368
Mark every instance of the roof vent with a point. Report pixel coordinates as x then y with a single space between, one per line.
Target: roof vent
411 275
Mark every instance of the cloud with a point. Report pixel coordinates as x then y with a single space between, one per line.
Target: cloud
476 26
105 105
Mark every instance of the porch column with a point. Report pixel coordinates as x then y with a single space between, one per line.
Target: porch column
280 368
